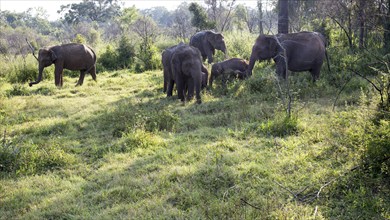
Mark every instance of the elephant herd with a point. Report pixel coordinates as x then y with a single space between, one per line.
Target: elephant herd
183 63
303 51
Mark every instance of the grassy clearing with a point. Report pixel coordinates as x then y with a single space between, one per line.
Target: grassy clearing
119 148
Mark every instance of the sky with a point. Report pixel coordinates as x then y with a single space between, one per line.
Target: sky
52 6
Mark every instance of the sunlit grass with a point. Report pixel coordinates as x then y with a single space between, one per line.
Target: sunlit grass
118 148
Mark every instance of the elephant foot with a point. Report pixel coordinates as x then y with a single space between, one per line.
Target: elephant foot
198 101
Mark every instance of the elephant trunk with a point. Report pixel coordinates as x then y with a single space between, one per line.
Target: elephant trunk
39 76
225 52
251 65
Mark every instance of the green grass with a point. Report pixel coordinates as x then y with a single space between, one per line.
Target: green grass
119 149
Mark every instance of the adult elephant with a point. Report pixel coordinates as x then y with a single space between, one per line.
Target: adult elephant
187 69
207 42
305 51
71 56
169 79
231 68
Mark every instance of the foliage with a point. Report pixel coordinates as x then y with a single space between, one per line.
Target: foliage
90 10
149 57
32 159
199 18
126 53
121 57
108 59
80 39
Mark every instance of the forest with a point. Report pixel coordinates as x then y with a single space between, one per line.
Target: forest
261 147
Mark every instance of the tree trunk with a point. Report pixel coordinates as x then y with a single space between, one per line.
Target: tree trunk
260 9
283 17
386 31
362 19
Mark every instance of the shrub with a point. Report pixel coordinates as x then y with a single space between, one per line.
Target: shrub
149 56
79 39
31 159
126 52
280 126
138 139
109 58
377 154
18 90
264 85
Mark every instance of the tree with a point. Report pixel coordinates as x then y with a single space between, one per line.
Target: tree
127 17
283 17
199 18
160 15
260 18
220 12
386 25
93 10
182 28
147 30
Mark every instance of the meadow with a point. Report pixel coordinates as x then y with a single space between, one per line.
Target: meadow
119 148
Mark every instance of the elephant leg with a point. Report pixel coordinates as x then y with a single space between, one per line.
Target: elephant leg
170 85
197 92
58 75
180 88
166 79
81 79
209 56
190 88
315 73
61 79
93 73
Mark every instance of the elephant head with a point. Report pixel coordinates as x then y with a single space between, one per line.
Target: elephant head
217 41
216 70
46 57
265 48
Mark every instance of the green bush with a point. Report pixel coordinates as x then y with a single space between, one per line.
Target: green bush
18 90
149 57
138 138
280 126
126 53
264 85
109 59
31 159
79 39
377 154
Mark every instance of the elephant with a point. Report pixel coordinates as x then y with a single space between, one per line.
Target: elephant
305 51
234 67
187 71
71 56
207 42
169 79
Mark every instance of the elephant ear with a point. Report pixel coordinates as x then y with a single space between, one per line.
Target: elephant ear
274 46
53 56
212 39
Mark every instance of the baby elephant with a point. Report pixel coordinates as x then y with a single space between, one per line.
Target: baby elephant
232 68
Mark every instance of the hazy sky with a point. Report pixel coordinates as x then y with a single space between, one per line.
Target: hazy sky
52 6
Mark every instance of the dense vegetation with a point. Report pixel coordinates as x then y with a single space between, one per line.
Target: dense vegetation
119 148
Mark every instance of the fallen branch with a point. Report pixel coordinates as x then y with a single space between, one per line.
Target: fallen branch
253 206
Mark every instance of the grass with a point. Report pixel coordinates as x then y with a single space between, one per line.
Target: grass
119 149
